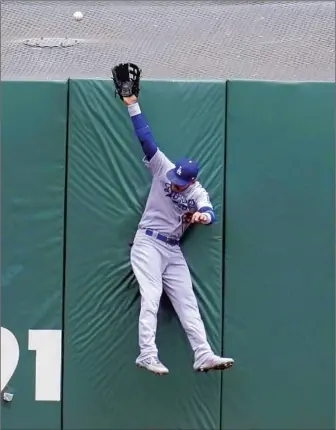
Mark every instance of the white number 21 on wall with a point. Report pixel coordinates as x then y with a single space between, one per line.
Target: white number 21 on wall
47 345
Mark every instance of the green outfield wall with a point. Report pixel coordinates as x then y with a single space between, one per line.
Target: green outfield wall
73 190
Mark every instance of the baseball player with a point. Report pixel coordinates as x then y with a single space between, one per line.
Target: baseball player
176 200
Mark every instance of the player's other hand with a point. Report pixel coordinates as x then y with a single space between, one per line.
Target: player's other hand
199 218
130 100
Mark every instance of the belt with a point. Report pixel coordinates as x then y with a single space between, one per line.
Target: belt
168 240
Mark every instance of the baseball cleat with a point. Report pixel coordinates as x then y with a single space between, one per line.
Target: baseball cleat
214 363
154 365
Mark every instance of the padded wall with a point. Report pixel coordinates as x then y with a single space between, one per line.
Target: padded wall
278 318
33 150
279 256
107 190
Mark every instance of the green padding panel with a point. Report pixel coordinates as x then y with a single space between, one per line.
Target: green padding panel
108 186
33 146
279 281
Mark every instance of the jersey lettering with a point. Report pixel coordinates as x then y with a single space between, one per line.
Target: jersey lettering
179 200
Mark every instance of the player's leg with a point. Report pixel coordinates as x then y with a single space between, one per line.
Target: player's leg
178 286
146 262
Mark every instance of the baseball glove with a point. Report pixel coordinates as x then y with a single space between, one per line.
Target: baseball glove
126 78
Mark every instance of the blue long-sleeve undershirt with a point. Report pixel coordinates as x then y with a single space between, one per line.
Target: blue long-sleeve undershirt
144 134
209 210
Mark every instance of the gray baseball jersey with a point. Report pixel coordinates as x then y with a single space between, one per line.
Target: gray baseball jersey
167 212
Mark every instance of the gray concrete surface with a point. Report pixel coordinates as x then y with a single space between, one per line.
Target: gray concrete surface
281 40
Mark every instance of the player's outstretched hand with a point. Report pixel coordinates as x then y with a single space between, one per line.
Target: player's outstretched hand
199 218
130 100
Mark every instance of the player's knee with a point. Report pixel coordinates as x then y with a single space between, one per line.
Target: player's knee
150 304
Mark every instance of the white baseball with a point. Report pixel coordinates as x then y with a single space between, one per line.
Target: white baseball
78 16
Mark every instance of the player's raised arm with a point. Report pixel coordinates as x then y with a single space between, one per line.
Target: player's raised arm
126 79
141 127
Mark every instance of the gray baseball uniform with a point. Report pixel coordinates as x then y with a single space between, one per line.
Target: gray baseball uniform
156 257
